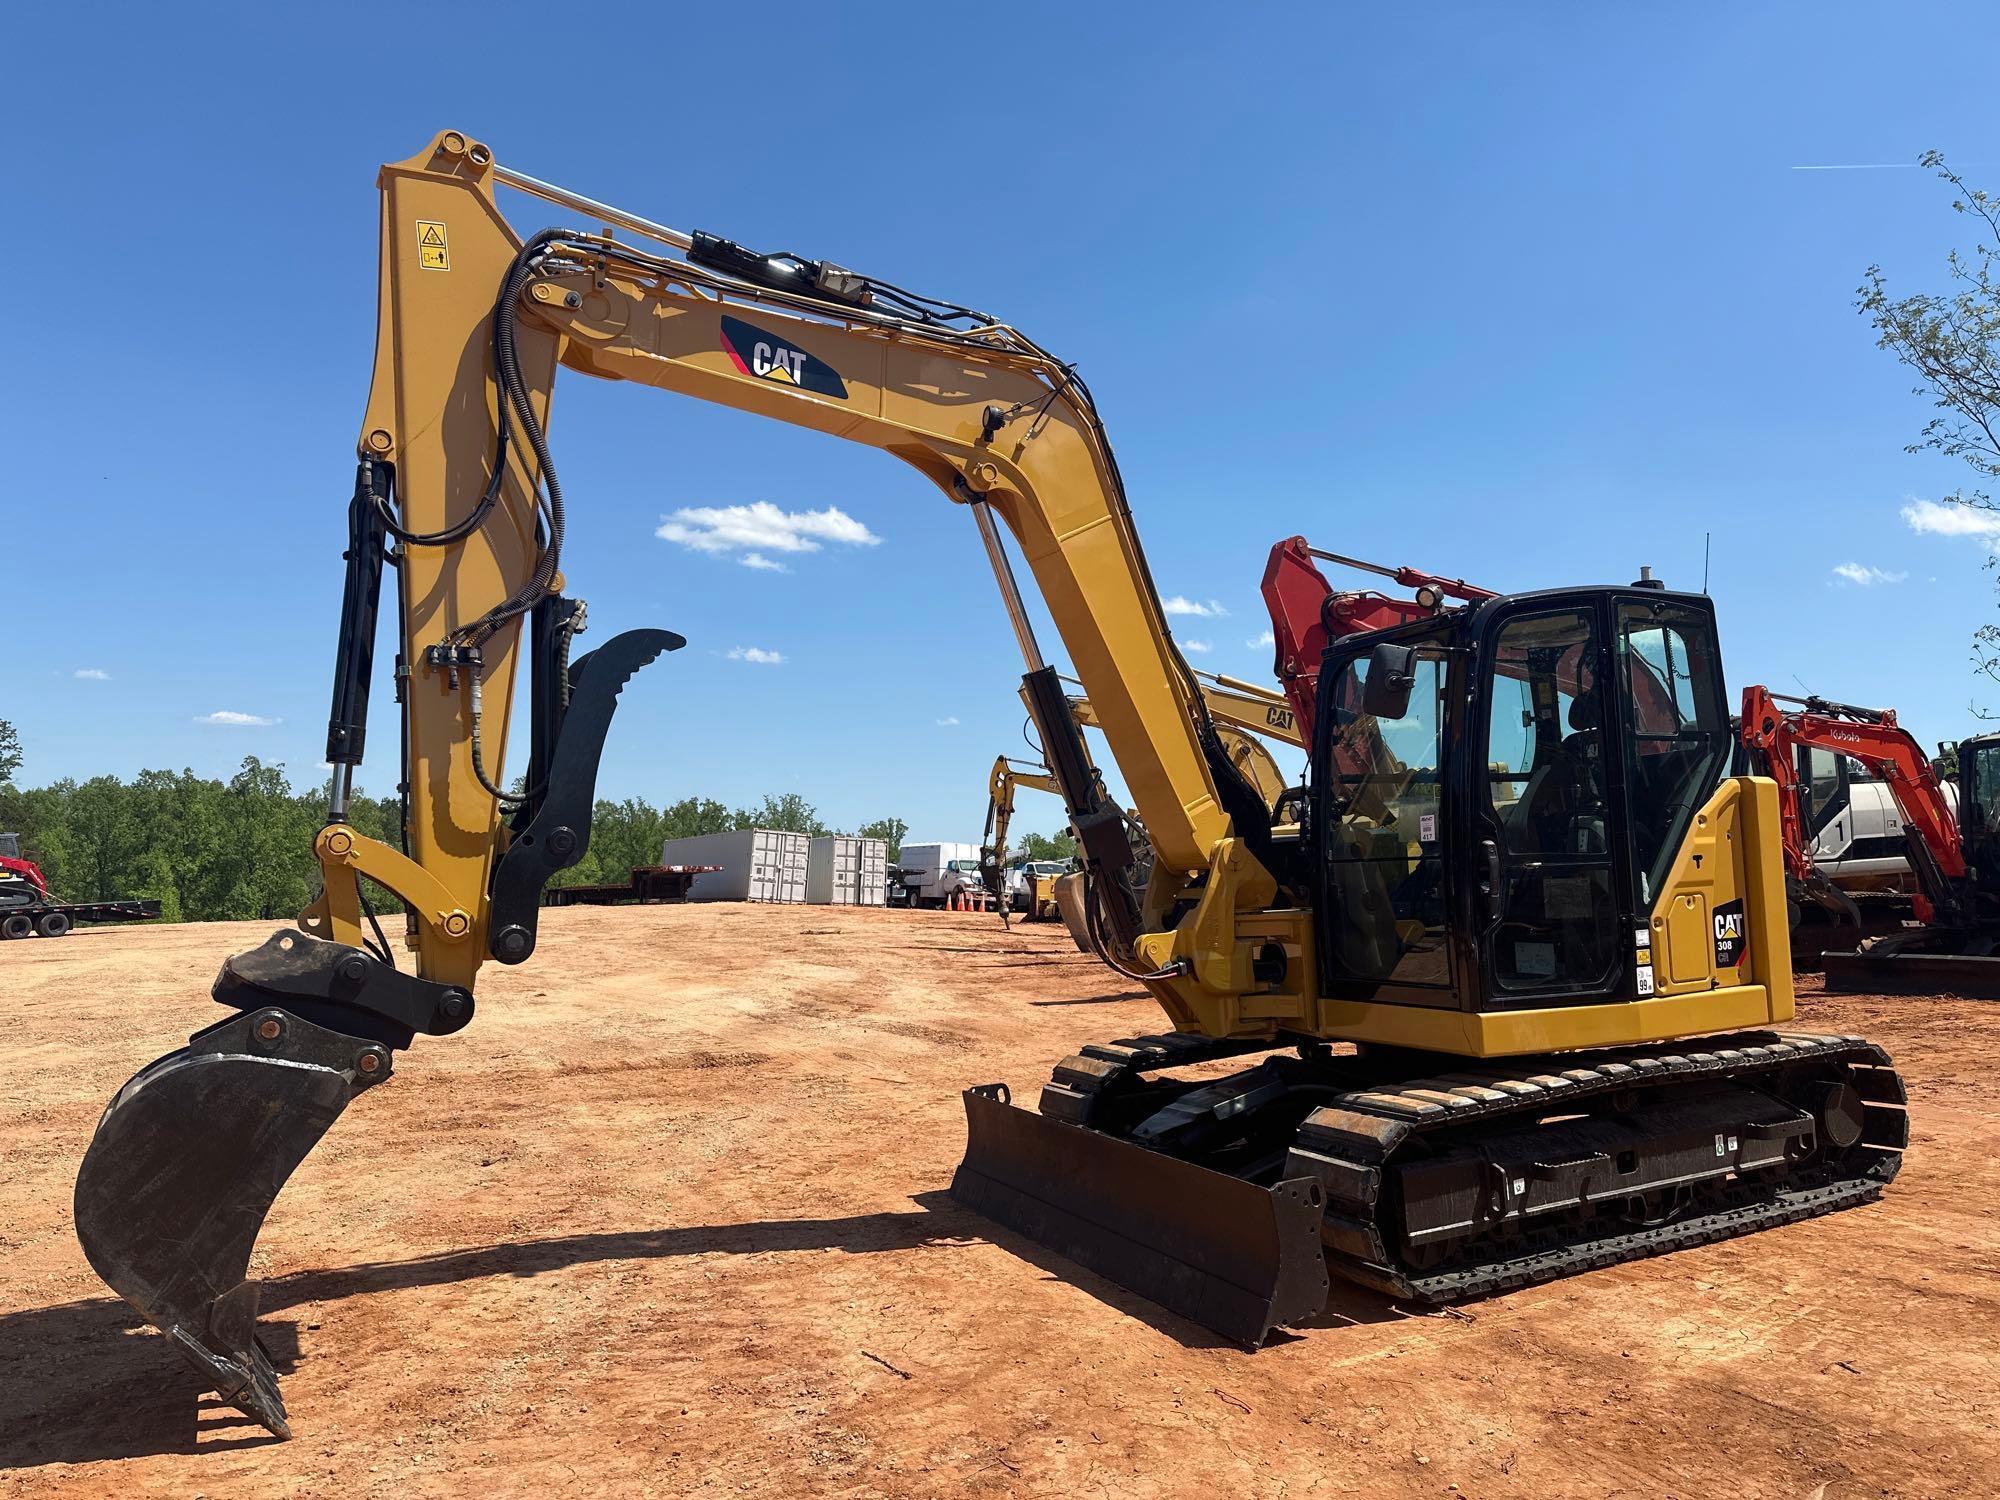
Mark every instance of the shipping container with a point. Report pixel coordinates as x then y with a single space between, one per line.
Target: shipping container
758 864
844 871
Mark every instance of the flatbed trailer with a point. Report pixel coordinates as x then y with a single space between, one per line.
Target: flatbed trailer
649 886
54 919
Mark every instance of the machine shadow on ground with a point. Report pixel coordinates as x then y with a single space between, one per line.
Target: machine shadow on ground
86 1381
123 1393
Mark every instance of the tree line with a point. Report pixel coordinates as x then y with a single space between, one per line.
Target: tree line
213 850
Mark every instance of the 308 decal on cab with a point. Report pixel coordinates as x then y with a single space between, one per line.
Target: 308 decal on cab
768 357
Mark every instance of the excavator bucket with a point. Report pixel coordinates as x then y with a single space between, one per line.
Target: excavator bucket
185 1165
1235 1257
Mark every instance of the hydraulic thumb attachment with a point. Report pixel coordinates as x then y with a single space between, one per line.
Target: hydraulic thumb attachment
192 1152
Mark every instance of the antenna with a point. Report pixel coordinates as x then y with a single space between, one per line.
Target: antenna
1704 562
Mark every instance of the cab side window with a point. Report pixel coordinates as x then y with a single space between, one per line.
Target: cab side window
1677 739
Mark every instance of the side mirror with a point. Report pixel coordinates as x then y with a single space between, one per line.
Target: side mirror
1392 674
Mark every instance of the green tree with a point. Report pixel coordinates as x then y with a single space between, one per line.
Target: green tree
790 813
10 753
890 830
691 816
1951 339
1038 847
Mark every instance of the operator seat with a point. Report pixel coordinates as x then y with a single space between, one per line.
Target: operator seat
1562 808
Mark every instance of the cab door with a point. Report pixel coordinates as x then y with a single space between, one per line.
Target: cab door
1545 819
1382 836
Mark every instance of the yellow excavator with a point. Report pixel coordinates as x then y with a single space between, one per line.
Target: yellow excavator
1511 999
1006 777
1240 711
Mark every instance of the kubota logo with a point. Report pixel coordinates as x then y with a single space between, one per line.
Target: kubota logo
768 357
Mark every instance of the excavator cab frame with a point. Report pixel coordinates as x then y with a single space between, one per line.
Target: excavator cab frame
1505 839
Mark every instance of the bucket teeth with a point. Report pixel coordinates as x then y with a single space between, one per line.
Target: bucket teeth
244 1378
184 1166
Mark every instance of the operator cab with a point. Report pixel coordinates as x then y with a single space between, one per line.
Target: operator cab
1979 809
1521 772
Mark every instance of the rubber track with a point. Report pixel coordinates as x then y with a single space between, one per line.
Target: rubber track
1349 1144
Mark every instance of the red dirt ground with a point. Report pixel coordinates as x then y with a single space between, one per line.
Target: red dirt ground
669 1219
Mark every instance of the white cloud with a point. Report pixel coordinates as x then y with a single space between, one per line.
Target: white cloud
1266 639
1862 574
231 717
1936 519
756 654
1180 604
1202 646
92 674
761 528
948 723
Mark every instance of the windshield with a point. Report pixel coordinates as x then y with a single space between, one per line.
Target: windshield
963 865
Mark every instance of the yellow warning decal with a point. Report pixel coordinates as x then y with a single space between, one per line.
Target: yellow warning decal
433 254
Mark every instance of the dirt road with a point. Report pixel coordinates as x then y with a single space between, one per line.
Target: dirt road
668 1219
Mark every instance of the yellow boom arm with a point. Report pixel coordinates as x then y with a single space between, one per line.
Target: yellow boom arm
995 422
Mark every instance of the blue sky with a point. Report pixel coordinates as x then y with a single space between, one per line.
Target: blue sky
1531 294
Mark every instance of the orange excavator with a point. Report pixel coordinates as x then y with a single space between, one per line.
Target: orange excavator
1954 942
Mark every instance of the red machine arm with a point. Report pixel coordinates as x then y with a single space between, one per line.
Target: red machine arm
1873 737
1308 613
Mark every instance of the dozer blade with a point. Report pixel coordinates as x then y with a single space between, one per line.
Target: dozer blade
1232 1256
185 1165
1912 971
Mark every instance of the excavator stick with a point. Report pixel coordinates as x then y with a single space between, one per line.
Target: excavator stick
1228 1254
185 1164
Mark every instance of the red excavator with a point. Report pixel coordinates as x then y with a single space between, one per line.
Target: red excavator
28 910
1954 942
1308 613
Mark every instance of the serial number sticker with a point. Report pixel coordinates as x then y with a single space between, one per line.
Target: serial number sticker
1645 979
1427 829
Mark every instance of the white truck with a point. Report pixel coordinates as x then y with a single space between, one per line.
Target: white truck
935 872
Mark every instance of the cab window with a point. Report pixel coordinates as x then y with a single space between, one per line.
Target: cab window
1985 782
1383 848
1556 925
1677 738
